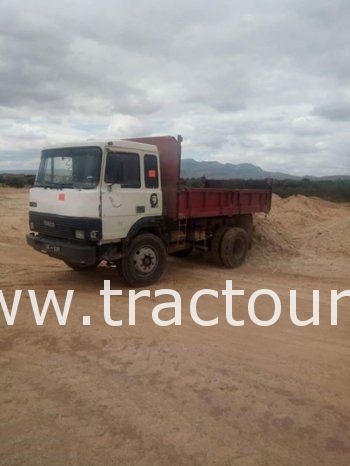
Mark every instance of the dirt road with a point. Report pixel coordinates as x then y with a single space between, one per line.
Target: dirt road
188 395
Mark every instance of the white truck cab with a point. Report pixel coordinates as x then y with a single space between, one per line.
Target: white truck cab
116 182
92 194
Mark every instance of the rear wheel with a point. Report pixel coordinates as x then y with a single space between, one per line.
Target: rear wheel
82 267
245 221
144 260
216 243
234 247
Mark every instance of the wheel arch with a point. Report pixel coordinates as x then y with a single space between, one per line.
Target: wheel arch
147 225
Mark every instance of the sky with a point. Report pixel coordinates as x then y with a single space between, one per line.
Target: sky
263 82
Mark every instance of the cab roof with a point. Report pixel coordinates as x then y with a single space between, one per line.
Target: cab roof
111 144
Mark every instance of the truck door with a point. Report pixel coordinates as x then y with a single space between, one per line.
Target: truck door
124 200
152 188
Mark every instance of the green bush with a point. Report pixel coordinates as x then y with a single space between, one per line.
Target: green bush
16 181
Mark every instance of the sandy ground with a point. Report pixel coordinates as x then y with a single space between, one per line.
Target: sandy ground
188 395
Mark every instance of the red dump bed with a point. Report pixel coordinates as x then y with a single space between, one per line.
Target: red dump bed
200 202
212 202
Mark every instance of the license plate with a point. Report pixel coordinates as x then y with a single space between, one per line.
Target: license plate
52 248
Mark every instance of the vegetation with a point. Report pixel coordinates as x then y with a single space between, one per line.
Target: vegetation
331 190
16 180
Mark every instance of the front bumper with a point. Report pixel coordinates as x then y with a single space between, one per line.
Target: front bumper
63 249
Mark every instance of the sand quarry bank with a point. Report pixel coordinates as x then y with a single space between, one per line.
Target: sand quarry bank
187 395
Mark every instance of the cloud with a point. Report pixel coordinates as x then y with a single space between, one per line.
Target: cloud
243 81
338 111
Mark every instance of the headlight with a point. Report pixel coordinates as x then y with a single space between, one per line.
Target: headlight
80 234
31 225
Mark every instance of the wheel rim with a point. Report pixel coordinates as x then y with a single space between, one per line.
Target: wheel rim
145 260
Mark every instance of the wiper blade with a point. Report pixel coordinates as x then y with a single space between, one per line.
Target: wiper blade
54 185
62 185
83 185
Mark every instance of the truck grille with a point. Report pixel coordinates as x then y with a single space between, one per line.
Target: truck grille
60 226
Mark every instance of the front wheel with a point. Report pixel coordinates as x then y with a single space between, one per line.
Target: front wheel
144 260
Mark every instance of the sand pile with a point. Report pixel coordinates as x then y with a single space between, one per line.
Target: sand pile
14 215
300 225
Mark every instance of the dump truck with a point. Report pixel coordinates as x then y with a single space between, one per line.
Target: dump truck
121 203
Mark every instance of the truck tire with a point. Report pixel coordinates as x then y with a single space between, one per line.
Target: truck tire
144 260
82 267
245 221
234 247
216 244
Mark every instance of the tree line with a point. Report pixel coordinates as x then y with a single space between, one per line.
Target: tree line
16 180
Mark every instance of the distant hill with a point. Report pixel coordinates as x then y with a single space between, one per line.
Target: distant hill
191 168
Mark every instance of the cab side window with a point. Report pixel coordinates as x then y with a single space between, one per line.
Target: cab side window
151 171
124 169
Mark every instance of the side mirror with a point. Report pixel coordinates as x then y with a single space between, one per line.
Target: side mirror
110 186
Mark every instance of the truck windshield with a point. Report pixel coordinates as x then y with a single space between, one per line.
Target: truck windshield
76 167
